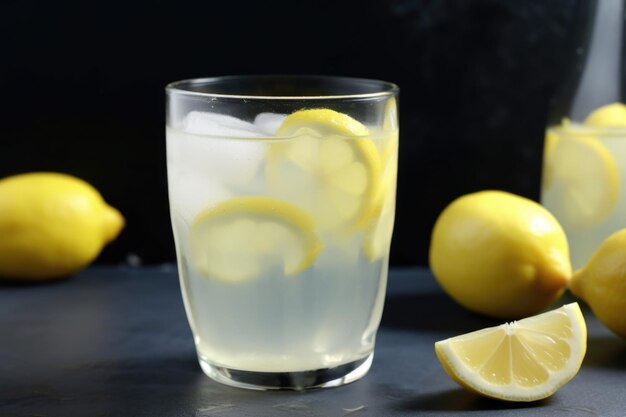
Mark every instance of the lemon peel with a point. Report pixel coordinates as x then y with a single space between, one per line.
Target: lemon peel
499 254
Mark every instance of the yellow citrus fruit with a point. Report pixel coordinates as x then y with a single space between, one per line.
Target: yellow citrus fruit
326 161
526 360
581 178
610 115
52 225
241 238
500 254
602 282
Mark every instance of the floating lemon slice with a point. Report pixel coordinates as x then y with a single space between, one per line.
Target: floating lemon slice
329 165
581 178
378 234
526 360
240 238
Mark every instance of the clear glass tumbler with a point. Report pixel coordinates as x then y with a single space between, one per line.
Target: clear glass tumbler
584 160
282 199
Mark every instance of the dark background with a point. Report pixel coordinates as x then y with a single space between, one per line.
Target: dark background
82 91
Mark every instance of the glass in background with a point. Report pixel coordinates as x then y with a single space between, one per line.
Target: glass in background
584 167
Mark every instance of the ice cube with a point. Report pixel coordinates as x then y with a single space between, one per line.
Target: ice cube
191 194
234 162
219 125
269 122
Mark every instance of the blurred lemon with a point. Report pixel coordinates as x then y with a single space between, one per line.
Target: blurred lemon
610 115
526 360
500 254
52 225
602 282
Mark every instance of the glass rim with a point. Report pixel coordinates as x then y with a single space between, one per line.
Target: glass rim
387 89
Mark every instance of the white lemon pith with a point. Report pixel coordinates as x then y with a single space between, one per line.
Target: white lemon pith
602 283
236 240
52 225
327 163
527 360
499 254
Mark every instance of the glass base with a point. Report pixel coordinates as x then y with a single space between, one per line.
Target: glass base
298 381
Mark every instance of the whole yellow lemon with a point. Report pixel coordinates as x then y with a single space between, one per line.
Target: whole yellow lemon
601 283
610 115
500 254
52 225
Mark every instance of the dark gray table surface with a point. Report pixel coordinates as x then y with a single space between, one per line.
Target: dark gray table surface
114 341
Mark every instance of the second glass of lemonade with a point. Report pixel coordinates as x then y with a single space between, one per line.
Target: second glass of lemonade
282 199
584 163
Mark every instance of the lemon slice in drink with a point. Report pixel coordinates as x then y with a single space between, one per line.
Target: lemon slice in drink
240 238
581 179
526 360
379 232
328 164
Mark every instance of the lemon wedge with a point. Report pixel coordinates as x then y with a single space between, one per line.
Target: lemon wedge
525 360
241 238
581 179
328 163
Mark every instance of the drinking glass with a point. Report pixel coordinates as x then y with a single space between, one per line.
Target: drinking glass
584 162
282 200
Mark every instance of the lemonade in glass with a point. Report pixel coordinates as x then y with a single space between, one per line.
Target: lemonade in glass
584 177
282 200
